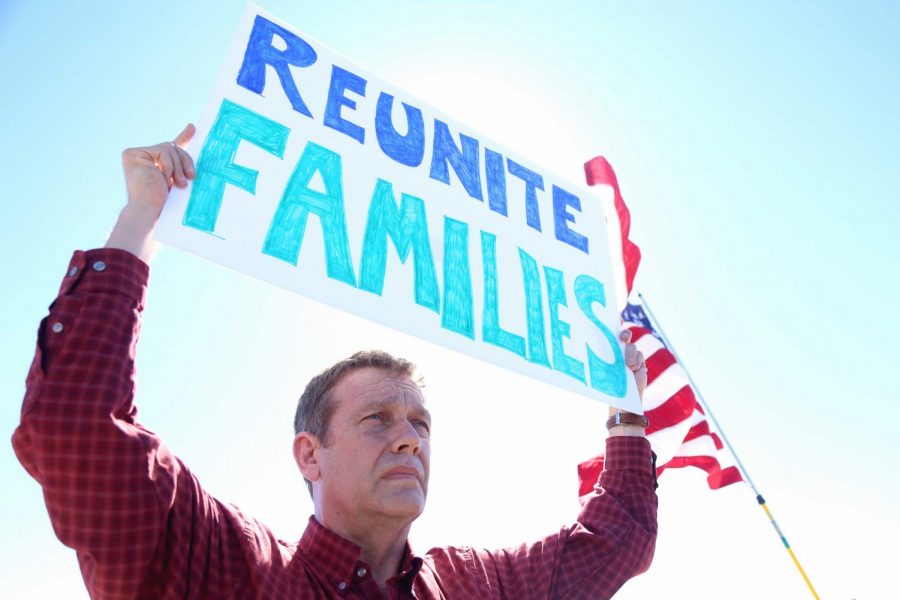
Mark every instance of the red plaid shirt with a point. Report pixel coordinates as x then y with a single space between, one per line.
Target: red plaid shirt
144 528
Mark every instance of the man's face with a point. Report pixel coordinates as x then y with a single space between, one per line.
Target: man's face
375 464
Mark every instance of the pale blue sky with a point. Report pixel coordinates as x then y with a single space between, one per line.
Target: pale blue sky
756 144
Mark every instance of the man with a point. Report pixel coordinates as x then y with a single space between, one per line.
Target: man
143 527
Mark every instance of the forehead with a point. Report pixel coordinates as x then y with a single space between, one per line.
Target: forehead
368 386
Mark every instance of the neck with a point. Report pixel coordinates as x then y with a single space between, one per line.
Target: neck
382 541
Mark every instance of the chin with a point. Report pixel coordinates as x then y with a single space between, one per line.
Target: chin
408 505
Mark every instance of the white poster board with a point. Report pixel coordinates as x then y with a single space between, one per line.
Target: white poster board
319 177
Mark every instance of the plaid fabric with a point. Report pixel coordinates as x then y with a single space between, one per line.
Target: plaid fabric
143 527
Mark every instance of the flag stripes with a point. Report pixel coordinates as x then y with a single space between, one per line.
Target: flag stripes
677 421
679 431
627 255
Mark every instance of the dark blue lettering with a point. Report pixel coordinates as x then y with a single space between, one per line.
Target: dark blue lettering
341 80
406 149
562 200
533 182
464 162
496 181
261 52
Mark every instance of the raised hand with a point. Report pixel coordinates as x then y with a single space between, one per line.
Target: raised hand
634 359
150 172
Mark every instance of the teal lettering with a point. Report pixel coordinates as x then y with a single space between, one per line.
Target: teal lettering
458 314
559 329
215 165
289 224
408 230
534 310
608 378
491 332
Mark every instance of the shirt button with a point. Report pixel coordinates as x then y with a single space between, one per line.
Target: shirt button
57 327
361 572
73 271
342 586
99 266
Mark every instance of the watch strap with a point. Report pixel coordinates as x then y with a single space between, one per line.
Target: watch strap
627 418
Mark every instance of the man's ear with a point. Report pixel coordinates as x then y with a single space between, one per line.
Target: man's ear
306 454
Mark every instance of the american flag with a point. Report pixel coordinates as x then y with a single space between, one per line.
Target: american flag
679 431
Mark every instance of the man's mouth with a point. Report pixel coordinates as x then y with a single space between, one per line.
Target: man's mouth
402 473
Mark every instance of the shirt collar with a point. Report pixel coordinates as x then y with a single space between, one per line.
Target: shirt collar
408 571
339 559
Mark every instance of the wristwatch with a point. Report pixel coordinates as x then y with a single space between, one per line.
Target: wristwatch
627 418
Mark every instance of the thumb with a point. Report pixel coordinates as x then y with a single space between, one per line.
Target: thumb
185 136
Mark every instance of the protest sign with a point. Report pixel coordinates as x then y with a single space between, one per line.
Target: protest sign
317 176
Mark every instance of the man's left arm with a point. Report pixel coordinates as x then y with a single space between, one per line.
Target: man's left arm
615 535
613 539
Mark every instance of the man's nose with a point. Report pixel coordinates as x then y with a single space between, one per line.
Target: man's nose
407 439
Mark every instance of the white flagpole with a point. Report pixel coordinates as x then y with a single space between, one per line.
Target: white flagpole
759 498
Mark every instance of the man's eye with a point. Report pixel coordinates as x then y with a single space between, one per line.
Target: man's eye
423 425
375 417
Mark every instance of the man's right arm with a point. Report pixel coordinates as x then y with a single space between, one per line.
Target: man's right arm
140 522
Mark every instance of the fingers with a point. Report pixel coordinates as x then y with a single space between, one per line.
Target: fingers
178 177
631 353
185 136
635 361
187 163
640 376
633 358
177 164
163 160
639 363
